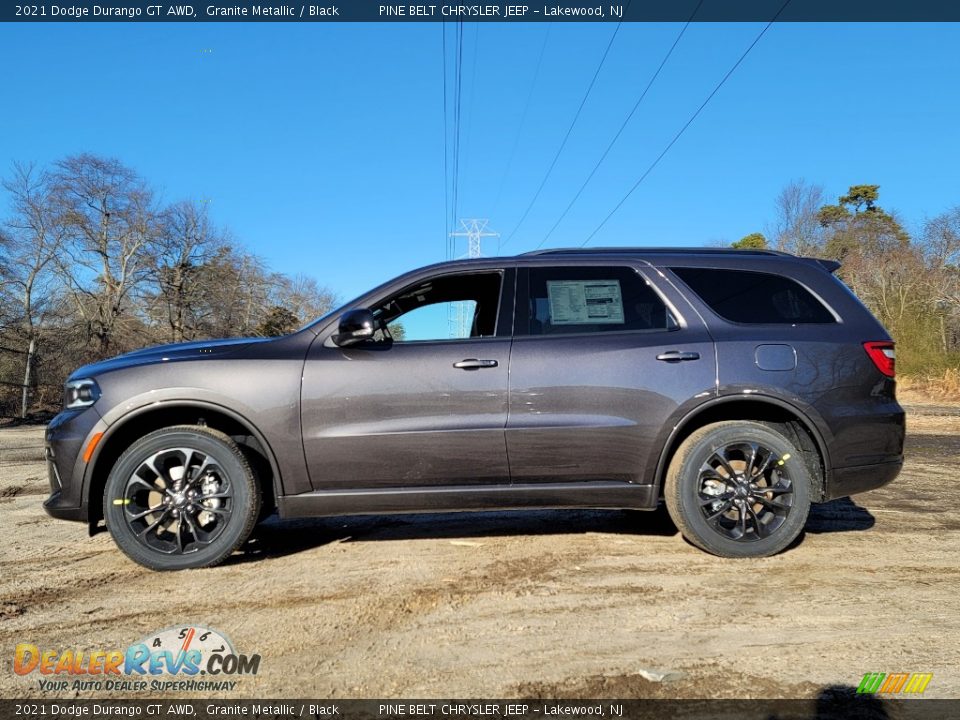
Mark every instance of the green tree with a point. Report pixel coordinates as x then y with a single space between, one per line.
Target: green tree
885 269
861 197
753 241
857 225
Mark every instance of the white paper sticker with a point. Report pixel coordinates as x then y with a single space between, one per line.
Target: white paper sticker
585 302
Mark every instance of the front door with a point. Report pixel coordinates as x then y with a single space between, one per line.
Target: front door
425 402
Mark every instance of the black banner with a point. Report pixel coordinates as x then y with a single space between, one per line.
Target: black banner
842 706
487 11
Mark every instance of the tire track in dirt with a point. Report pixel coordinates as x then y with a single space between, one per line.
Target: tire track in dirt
695 682
38 487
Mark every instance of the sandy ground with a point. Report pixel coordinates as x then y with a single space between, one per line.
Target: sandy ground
532 604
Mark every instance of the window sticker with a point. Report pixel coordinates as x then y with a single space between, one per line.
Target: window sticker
585 302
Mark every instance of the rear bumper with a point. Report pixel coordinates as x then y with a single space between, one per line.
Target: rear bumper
851 480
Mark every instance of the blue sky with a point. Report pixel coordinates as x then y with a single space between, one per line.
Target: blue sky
321 145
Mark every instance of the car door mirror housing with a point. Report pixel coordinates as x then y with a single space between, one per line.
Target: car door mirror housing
355 326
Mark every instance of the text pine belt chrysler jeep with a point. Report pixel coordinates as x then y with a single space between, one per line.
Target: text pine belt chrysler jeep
738 387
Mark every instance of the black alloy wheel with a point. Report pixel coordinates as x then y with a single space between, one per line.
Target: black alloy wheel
738 489
181 497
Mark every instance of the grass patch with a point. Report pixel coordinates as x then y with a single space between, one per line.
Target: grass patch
941 385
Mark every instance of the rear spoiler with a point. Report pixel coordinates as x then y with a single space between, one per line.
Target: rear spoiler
831 266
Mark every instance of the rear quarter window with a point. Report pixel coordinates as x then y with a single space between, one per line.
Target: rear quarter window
744 296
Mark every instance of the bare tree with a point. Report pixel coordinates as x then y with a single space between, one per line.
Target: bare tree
303 296
110 222
294 301
796 228
235 293
33 241
941 244
178 272
941 238
89 266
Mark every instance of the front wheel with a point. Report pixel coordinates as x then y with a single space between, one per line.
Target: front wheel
738 489
181 497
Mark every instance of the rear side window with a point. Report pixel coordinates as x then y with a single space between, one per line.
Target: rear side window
566 300
743 296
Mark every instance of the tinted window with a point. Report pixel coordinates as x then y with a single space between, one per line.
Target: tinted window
754 297
566 300
444 308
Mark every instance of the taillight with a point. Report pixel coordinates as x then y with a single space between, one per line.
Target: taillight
883 356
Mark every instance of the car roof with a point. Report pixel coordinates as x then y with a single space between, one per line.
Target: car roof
659 256
656 256
684 251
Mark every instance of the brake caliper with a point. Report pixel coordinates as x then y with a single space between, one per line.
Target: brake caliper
209 486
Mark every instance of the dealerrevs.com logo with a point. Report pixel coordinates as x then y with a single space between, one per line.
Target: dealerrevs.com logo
176 659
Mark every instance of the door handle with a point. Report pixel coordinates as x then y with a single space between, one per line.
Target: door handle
677 356
474 364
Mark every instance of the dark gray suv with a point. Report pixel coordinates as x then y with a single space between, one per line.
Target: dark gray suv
736 386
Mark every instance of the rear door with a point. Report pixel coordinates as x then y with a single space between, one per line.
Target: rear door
602 359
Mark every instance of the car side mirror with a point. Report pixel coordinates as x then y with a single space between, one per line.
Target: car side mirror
355 326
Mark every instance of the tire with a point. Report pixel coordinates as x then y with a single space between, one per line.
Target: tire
151 513
718 508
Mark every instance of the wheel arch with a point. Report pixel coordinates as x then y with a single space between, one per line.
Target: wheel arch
122 433
786 417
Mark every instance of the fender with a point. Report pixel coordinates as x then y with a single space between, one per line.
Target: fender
808 418
117 422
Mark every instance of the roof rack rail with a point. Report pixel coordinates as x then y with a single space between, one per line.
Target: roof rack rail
655 251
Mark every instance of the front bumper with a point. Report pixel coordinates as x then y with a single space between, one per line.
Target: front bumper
66 437
55 508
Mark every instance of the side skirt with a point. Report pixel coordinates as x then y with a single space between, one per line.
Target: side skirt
466 498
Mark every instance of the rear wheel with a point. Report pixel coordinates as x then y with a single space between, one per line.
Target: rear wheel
181 497
738 489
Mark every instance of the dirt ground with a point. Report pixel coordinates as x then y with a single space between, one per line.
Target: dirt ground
533 604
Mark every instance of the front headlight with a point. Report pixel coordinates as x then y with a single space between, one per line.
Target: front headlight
80 393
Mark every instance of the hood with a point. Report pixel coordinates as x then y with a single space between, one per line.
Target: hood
167 353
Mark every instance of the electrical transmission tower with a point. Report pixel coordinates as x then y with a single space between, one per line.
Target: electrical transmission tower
460 317
473 229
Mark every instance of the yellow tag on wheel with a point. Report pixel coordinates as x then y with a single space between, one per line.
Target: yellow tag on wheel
122 501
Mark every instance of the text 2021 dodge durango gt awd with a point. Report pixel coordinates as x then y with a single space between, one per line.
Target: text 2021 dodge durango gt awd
737 386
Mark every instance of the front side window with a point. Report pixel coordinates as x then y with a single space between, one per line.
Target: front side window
445 308
567 300
744 296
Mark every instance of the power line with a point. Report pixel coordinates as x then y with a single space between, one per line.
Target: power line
523 118
563 143
471 107
446 144
623 125
687 124
458 93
